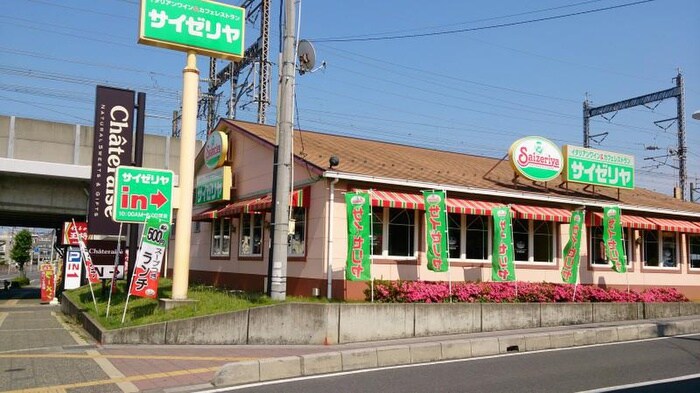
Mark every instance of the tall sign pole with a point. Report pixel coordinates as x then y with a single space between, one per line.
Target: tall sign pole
285 125
210 28
181 264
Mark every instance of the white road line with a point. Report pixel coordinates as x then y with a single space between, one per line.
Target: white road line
640 384
3 315
369 370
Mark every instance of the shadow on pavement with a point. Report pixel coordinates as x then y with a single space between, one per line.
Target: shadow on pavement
688 385
20 293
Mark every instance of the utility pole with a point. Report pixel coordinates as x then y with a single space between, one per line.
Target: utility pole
285 127
680 101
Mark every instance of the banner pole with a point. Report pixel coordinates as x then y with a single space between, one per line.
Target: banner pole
447 236
131 280
371 251
114 272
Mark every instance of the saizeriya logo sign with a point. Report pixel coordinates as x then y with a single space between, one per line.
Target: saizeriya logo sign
536 158
215 150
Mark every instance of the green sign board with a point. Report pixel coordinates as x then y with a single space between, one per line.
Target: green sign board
141 193
208 28
597 167
213 186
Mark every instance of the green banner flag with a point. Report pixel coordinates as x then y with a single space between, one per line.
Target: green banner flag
503 268
572 251
612 238
436 231
359 227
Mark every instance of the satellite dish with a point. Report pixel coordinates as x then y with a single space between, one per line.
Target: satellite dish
307 57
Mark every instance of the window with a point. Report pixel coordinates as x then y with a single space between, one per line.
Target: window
469 236
694 251
660 249
598 247
454 233
521 241
651 248
221 237
297 240
533 240
251 235
393 232
543 241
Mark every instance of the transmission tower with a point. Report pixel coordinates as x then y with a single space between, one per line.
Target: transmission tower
658 96
254 87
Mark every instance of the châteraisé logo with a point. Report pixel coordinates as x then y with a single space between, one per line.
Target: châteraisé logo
536 158
215 150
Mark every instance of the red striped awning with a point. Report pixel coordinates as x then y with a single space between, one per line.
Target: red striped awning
211 214
627 220
541 213
299 198
396 199
667 224
466 206
404 200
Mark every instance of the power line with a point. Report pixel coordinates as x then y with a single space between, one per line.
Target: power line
465 30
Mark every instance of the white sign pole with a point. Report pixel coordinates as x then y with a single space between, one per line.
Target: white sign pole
181 264
114 273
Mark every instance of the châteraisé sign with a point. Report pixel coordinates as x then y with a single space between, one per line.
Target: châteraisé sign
536 158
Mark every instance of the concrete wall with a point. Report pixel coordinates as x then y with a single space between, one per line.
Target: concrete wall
40 140
308 323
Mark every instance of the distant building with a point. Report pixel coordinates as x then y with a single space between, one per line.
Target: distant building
231 238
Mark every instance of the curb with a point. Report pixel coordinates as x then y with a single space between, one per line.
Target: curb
269 369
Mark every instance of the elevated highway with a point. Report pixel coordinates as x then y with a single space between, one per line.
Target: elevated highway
45 169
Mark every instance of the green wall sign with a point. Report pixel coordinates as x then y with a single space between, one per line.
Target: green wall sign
209 28
536 158
142 193
597 167
213 186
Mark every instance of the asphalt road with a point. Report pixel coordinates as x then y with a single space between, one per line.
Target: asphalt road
570 370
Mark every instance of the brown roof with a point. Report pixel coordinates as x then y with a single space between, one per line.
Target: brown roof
391 160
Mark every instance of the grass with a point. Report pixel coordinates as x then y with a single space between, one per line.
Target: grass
142 311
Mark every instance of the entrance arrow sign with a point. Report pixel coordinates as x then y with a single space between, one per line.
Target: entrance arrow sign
142 193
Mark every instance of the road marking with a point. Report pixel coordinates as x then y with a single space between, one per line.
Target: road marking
76 337
134 378
96 355
29 330
640 384
3 315
369 370
11 302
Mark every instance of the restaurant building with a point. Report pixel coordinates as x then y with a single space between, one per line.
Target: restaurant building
231 230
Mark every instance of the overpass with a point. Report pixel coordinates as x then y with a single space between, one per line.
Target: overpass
45 169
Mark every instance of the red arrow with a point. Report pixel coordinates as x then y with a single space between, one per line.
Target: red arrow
158 199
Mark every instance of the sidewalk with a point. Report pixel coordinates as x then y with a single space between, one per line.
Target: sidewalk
41 352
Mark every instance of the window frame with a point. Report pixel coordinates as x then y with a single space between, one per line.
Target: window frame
251 234
385 234
660 250
689 253
217 225
627 235
531 243
304 228
464 236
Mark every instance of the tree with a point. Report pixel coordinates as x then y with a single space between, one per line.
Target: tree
21 249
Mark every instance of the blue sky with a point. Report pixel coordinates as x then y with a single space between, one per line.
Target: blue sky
474 92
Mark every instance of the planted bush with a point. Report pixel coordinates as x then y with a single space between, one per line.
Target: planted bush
510 292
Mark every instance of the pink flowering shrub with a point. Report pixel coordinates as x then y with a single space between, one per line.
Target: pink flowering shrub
511 292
